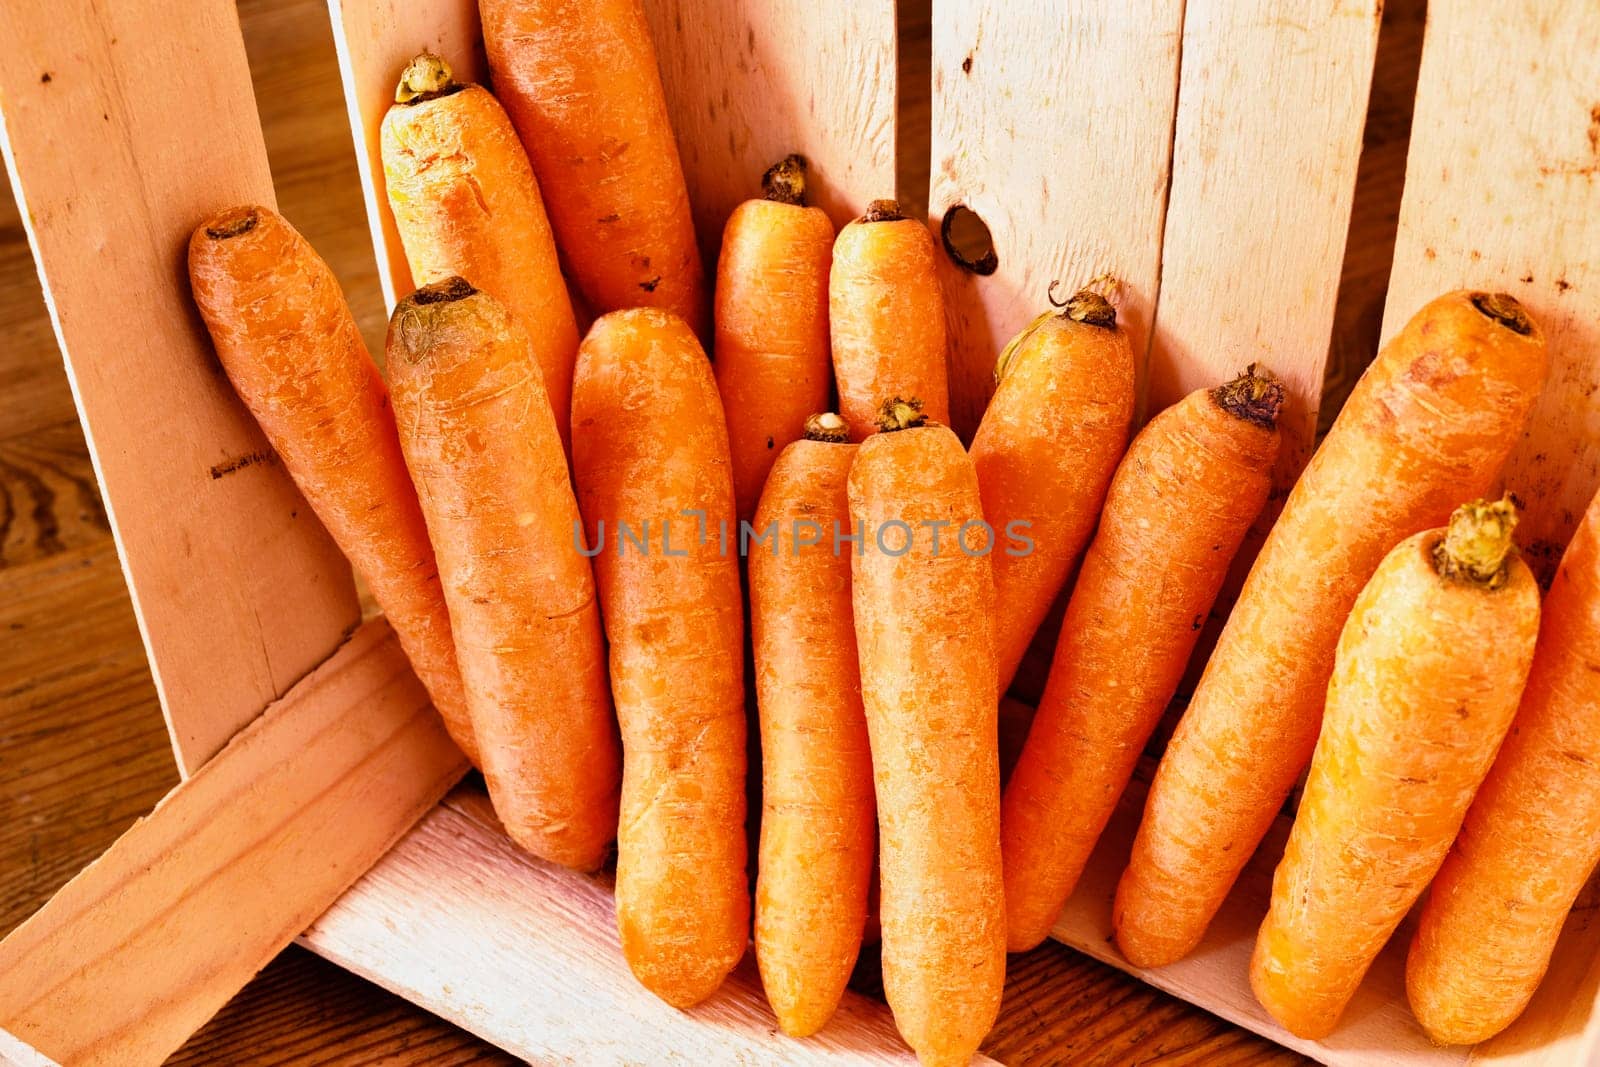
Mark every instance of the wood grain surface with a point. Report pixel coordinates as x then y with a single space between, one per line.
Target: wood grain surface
82 749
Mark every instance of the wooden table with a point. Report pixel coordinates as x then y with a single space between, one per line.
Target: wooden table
83 752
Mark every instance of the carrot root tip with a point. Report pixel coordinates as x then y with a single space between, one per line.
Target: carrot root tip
426 77
827 427
785 181
233 223
1255 396
1477 543
900 413
1504 309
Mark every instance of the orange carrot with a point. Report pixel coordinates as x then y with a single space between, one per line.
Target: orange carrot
292 350
886 314
651 457
1425 683
465 202
1045 452
483 451
772 365
1431 421
924 601
1181 502
817 828
1531 838
581 85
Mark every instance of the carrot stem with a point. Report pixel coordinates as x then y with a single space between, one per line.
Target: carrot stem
785 181
826 427
1254 396
1477 543
883 211
426 77
235 223
1504 309
900 414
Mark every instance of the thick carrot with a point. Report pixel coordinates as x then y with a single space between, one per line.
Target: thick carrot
1531 838
1181 502
817 819
1045 452
651 456
483 451
581 85
773 366
1425 682
466 203
886 315
1430 422
924 601
292 350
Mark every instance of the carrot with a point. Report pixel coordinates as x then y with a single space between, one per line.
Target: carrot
292 350
1432 420
886 314
817 829
1045 452
483 451
924 601
772 365
581 85
649 451
465 202
1425 683
1181 502
1531 839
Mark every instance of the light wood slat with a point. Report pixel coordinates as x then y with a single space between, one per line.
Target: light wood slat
748 83
525 955
15 1052
375 39
1270 114
143 946
1053 122
124 125
1503 192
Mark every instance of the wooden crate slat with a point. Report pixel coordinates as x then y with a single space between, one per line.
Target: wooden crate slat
1053 122
525 955
1503 191
748 83
375 39
124 125
144 945
14 1052
1270 114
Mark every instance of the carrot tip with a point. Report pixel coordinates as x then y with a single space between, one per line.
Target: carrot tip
900 414
1477 543
239 220
426 77
827 427
1254 396
1504 309
785 181
883 211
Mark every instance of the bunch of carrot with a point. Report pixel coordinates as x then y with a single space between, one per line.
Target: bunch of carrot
895 578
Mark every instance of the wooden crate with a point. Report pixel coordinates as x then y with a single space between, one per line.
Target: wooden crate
1204 153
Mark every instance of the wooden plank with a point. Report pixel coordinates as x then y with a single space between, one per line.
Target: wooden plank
375 39
1503 191
525 955
14 1052
138 950
747 84
122 126
1053 122
1270 114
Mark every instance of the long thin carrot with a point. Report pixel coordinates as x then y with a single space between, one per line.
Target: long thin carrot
1181 502
292 350
581 84
1430 422
1045 452
1531 839
1425 682
466 203
817 821
483 451
651 456
924 601
773 367
886 314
